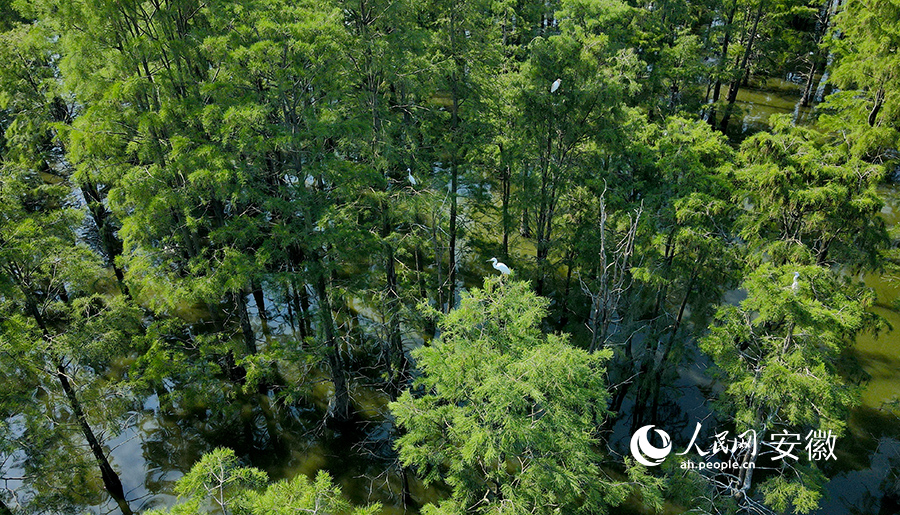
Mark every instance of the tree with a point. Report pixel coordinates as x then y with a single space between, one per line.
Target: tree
291 198
57 323
219 476
684 250
778 352
769 41
462 46
866 113
866 57
240 490
565 132
507 415
809 202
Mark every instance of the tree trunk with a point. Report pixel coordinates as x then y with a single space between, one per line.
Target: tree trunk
111 480
879 101
405 492
744 70
544 215
240 304
340 409
260 300
808 89
451 279
300 301
504 198
438 262
726 40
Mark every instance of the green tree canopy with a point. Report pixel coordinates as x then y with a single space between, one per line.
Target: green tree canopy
506 414
778 352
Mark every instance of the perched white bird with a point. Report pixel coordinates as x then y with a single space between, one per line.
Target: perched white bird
310 181
410 178
555 85
796 284
504 270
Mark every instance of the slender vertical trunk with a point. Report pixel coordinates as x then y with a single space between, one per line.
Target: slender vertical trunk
808 89
296 299
240 304
458 74
745 474
564 309
451 279
544 216
879 101
111 480
723 59
744 71
304 309
405 492
438 262
260 300
340 409
504 202
288 301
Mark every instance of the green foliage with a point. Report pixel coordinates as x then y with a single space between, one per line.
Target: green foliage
220 477
779 354
809 202
780 347
229 147
866 63
301 495
505 413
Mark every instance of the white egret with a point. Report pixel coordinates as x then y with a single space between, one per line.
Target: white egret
504 270
555 85
410 178
796 284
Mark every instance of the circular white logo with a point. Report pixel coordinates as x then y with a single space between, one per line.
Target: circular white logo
644 452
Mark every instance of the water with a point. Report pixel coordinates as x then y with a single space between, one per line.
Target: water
774 96
865 479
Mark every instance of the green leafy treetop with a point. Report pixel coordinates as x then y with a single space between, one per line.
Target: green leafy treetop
221 478
506 415
779 352
866 112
